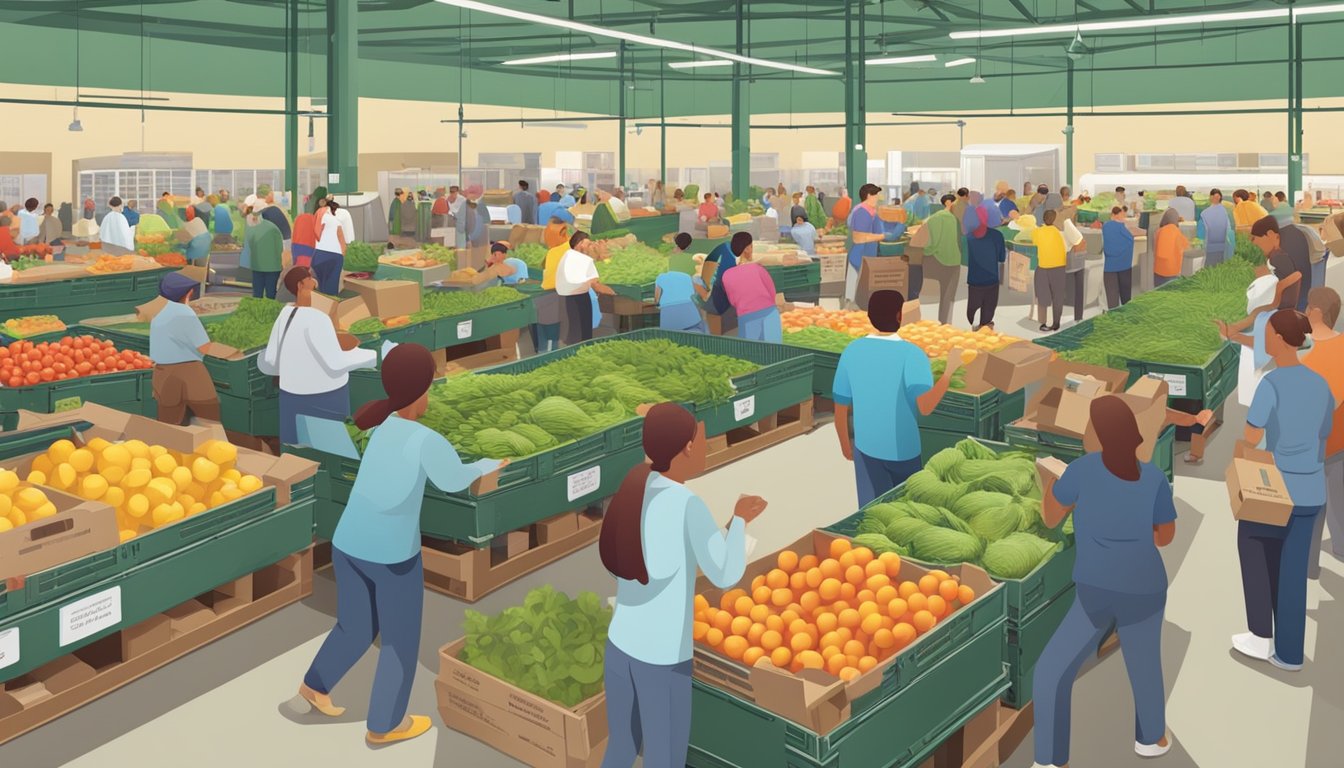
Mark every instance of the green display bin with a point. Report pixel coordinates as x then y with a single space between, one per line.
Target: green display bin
1067 448
1067 339
129 391
1192 382
1085 216
651 229
6 339
798 282
259 416
149 588
78 298
901 731
1023 644
590 469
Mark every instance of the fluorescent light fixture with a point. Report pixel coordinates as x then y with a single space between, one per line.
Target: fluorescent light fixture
699 64
657 42
977 80
902 60
561 57
576 126
1148 22
960 62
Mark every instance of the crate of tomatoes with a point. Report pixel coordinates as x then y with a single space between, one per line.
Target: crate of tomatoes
64 373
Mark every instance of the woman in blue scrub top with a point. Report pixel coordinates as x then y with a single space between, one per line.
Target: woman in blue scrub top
1292 412
674 293
1122 512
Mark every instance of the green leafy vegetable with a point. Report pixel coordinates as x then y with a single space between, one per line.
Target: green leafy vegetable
249 327
534 254
634 264
440 253
362 257
437 304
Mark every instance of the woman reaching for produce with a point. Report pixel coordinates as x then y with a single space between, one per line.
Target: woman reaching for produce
751 291
376 550
177 343
656 533
1122 512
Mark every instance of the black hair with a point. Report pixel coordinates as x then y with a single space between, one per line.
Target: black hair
30 204
1264 226
868 190
1119 189
945 199
963 192
1117 210
884 310
1049 217
740 242
1292 326
576 238
1215 191
522 185
683 240
114 202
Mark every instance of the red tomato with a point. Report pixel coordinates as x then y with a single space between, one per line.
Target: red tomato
15 381
33 377
48 374
83 368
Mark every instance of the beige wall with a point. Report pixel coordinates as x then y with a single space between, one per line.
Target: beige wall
390 129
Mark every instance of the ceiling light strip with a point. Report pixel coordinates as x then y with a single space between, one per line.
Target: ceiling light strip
588 29
699 64
561 57
902 60
959 62
1149 22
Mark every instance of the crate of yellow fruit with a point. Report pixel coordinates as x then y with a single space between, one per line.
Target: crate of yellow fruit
838 655
41 527
165 487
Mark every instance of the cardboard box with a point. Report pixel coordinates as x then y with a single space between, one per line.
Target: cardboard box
1075 402
78 529
526 233
1019 271
833 266
881 273
523 725
911 312
1147 397
812 698
1256 488
387 298
1011 368
1060 407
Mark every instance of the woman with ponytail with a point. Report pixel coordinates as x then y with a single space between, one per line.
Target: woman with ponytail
656 533
1122 512
376 549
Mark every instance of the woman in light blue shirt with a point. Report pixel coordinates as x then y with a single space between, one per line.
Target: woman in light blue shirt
657 532
376 549
674 293
177 343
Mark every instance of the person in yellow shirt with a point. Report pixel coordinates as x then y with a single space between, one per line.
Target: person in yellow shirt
1170 249
1051 262
546 332
1246 211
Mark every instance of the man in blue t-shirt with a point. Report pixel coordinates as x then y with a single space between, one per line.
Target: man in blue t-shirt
1117 245
674 293
887 383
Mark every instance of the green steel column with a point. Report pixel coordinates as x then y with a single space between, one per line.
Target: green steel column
620 155
662 120
1068 134
1295 135
342 95
741 128
292 104
856 133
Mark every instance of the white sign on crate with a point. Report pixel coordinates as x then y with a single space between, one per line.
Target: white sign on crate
464 329
745 408
90 615
582 483
9 647
1175 384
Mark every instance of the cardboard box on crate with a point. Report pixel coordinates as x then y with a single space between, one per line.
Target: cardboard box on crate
1063 403
881 273
383 299
79 528
539 732
1011 368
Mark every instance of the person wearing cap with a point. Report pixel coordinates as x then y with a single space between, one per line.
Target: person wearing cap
511 269
177 344
114 233
266 245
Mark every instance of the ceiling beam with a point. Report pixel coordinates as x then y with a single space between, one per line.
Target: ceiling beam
1022 9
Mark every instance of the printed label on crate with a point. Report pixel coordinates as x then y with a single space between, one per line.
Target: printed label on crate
67 404
581 484
464 329
90 615
1175 384
9 647
745 408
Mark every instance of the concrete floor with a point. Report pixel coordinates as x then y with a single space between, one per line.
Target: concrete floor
220 705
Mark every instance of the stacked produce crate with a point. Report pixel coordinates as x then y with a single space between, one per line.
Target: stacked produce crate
72 291
60 370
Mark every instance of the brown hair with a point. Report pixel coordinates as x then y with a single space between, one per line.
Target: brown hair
295 276
1264 226
578 237
1326 300
1118 431
668 429
1049 217
1292 326
1117 210
407 372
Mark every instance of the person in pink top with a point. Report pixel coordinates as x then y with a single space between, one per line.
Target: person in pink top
751 291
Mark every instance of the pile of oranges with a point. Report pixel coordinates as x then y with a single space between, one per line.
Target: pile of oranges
937 339
33 325
853 323
844 614
106 264
24 363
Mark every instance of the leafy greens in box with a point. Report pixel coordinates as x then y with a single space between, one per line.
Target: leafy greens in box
550 645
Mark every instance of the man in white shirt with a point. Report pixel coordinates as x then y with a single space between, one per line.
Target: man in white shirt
574 277
115 232
1184 204
30 226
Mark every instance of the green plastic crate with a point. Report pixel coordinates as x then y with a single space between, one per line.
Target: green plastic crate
1023 644
483 323
1191 382
1069 448
239 377
155 586
82 297
129 391
1067 339
258 416
900 732
589 470
6 339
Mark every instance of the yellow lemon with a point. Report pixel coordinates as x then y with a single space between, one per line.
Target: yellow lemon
46 510
93 487
5 525
82 460
114 475
5 505
115 456
137 448
186 501
181 477
42 464
98 445
60 451
196 491
17 517
137 478
155 451
216 499
160 490
221 452
249 484
142 462
137 505
164 465
231 476
9 480
37 478
127 535
196 509
29 499
115 497
230 491
204 470
166 513
63 476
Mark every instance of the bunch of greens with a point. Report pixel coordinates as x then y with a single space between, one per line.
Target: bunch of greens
440 253
840 229
26 262
437 304
612 234
1248 251
1174 325
534 254
497 415
366 326
1104 201
249 327
733 207
634 264
362 257
154 249
550 645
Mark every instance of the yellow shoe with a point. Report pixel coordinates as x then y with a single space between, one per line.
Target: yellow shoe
315 701
419 725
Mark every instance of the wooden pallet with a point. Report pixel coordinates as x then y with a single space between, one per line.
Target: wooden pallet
773 429
495 350
470 573
70 682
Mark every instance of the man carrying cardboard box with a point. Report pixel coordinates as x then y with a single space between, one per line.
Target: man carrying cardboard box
1293 412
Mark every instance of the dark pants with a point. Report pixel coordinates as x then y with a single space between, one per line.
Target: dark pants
1161 280
1050 293
916 281
1274 579
264 284
1138 621
326 268
374 600
648 710
1119 287
983 299
333 405
877 476
579 317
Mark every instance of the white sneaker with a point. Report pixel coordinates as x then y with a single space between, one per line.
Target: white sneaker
1254 646
1276 661
1153 750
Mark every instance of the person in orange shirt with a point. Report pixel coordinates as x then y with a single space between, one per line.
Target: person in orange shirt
843 205
556 234
1170 250
1246 211
1327 359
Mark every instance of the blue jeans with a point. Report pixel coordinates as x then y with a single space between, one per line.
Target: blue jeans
1138 621
877 476
334 405
326 268
374 600
264 284
761 325
682 317
648 710
1274 579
